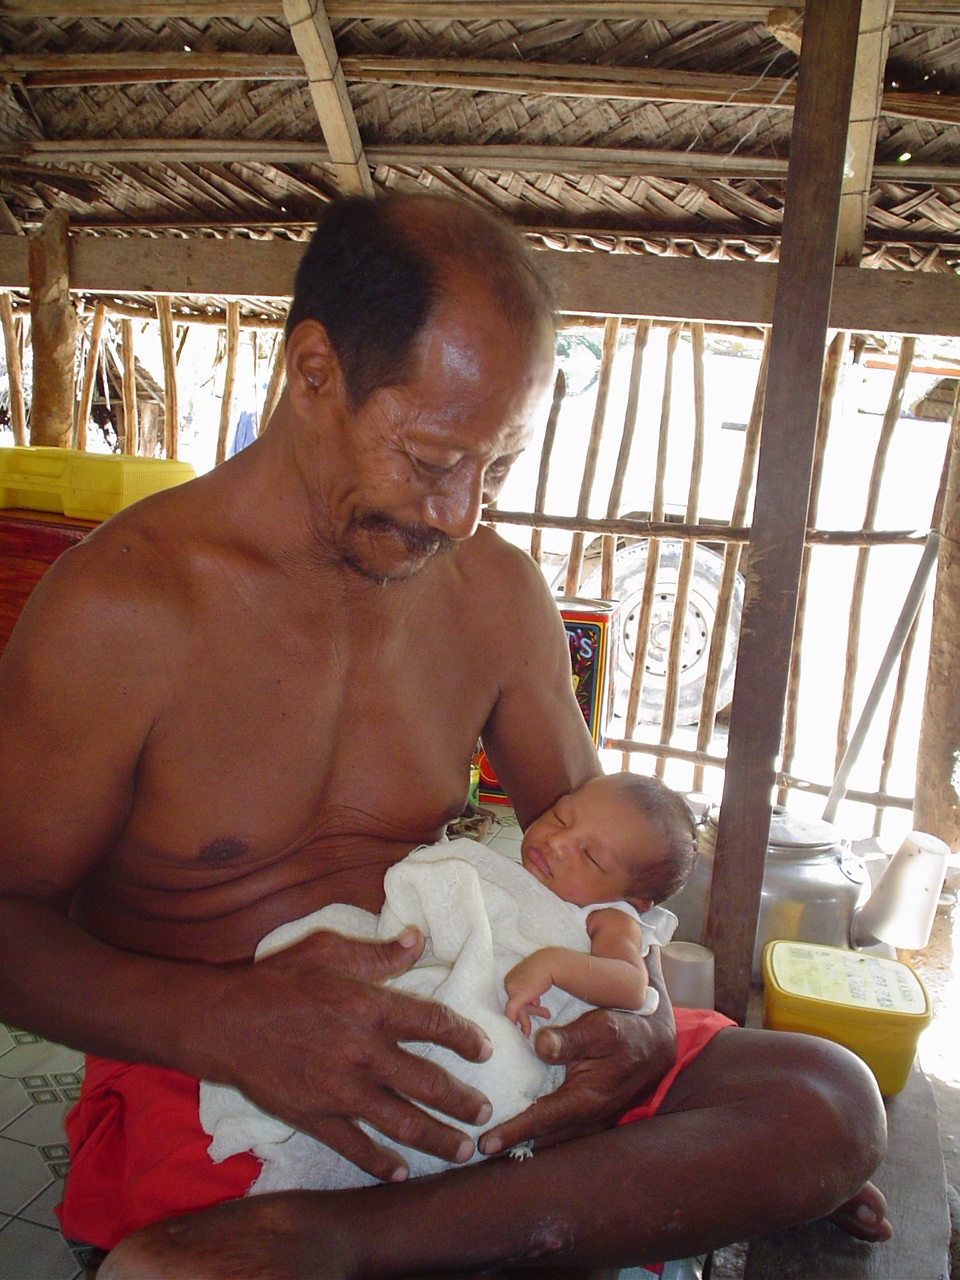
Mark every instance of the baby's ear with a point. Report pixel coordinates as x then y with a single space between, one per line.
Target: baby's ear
640 905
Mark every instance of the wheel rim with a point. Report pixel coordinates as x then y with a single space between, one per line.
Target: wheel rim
694 646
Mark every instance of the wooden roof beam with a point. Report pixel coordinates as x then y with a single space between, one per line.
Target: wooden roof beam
633 84
865 109
928 13
311 33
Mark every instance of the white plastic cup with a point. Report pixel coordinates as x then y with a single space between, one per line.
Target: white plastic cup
901 909
688 974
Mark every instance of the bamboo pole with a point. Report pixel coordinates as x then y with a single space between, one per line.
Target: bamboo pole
229 377
832 367
171 406
611 332
18 420
546 452
705 530
678 623
937 806
54 322
653 548
896 711
732 553
90 374
275 382
128 384
641 336
890 417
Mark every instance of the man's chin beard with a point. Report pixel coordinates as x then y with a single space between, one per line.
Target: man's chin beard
421 542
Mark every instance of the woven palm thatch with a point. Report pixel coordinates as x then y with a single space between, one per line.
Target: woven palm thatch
643 135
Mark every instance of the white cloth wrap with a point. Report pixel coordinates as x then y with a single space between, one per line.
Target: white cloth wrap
480 913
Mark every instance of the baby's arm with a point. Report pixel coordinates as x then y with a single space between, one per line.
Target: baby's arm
613 975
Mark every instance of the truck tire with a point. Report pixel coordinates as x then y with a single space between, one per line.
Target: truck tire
629 571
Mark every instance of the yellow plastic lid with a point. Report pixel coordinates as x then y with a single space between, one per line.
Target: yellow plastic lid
858 984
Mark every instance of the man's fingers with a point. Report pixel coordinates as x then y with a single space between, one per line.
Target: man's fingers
428 1084
412 1019
368 961
549 1115
404 1122
360 1149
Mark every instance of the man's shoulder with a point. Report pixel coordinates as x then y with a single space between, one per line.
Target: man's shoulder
498 562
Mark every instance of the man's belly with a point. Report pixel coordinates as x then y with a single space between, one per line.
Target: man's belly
223 919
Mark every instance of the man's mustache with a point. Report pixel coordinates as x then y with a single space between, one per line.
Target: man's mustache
418 539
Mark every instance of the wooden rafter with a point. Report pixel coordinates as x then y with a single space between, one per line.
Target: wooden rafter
865 109
492 157
311 33
632 84
931 13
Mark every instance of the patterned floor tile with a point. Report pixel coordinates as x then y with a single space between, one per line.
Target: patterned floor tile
31 1252
40 1210
6 1039
25 1175
42 1125
35 1058
14 1100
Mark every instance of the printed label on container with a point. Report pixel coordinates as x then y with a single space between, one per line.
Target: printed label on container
847 978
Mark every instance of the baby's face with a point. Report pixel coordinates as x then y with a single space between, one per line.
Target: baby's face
590 846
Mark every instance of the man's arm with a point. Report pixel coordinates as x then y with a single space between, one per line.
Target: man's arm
81 685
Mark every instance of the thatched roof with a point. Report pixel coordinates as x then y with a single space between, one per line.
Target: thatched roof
620 126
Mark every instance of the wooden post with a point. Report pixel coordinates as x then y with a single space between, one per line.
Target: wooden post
11 346
129 388
731 565
54 323
171 408
671 693
641 336
828 392
801 311
229 378
89 374
652 567
611 332
275 384
890 419
937 806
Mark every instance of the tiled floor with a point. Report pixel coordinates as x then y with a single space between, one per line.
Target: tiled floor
38 1084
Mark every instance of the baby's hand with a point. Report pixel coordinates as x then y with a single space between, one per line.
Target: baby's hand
526 983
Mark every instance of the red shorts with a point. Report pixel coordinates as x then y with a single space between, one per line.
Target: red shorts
138 1152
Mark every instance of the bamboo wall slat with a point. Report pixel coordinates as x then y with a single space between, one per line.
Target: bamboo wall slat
89 374
11 344
171 406
131 424
641 335
229 378
611 335
894 405
546 453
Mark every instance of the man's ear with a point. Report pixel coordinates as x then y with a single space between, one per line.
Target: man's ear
313 370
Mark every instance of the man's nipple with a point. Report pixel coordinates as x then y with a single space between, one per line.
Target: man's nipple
227 849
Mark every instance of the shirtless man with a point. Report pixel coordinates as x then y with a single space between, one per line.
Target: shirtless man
248 697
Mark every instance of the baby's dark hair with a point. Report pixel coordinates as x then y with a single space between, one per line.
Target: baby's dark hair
668 810
374 272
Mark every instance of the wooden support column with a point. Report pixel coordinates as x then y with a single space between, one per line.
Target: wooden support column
801 311
275 384
171 408
89 374
11 346
937 805
131 421
229 378
54 325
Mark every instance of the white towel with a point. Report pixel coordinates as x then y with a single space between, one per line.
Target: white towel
480 914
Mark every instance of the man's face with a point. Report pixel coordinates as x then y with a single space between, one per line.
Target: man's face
421 459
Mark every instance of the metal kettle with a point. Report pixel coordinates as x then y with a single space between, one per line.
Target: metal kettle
813 885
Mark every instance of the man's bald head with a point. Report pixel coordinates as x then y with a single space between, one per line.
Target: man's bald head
374 272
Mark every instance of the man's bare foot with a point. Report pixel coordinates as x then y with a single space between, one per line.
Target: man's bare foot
865 1215
241 1240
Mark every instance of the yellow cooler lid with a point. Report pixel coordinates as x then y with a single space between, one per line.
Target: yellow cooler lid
853 983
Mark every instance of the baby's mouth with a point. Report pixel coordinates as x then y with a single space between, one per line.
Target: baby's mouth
537 859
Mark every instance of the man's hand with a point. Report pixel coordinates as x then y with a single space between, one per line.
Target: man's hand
611 1058
311 1037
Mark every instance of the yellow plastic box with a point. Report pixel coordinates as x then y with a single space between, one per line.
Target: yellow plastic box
874 1006
90 486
